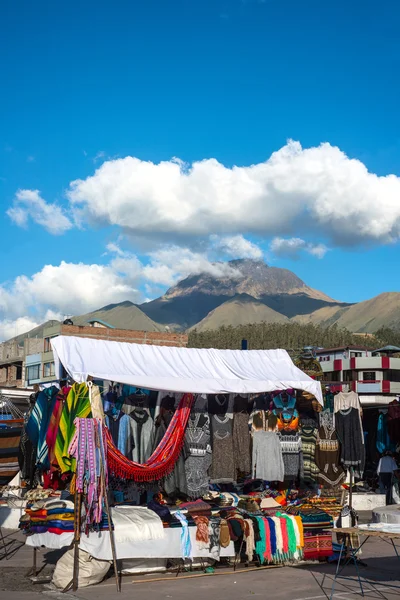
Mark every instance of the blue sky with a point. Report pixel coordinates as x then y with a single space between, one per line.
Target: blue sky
87 84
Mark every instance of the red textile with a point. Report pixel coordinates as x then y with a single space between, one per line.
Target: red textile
267 553
163 459
285 536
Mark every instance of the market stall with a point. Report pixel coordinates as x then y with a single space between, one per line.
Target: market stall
231 453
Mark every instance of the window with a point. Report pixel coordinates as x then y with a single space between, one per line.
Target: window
369 376
350 375
355 354
19 372
32 372
324 358
47 345
391 375
48 369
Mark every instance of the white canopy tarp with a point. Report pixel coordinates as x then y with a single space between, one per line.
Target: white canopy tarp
195 370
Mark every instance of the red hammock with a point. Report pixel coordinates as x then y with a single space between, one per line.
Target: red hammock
163 459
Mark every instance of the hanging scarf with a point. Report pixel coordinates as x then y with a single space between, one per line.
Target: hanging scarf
292 546
214 530
261 543
279 539
202 535
163 459
272 532
267 553
186 543
76 405
88 449
54 423
250 542
301 530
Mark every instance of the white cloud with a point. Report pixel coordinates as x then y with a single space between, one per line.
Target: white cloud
319 188
291 247
12 328
28 204
65 289
237 246
169 265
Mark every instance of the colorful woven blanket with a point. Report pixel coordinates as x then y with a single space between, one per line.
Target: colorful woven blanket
76 405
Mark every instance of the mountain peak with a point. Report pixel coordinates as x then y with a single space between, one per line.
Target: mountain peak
249 276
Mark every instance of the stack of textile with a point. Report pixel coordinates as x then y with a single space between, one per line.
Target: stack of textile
317 535
54 517
331 506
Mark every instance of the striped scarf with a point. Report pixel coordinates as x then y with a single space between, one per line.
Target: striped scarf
76 405
88 449
163 459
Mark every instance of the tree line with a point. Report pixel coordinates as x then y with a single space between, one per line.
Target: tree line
290 336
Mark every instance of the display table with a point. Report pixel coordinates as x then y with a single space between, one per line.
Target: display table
98 545
349 552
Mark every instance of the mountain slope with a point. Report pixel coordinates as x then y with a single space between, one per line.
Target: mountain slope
364 317
124 315
370 315
190 300
239 310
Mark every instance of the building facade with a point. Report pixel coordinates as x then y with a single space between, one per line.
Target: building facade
374 375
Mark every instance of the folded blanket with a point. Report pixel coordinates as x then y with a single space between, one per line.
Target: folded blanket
61 517
136 523
60 510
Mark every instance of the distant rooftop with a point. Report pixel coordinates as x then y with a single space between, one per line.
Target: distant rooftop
90 321
388 349
325 350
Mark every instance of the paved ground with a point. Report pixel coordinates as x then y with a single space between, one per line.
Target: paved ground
311 582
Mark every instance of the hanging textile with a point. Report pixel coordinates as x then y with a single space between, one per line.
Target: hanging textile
198 438
76 405
88 449
38 423
186 543
54 422
163 459
393 421
351 438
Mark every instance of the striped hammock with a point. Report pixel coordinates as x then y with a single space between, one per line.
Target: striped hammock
163 459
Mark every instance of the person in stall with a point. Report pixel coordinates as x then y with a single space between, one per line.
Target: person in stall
387 470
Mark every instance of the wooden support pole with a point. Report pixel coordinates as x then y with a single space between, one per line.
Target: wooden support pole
77 538
110 529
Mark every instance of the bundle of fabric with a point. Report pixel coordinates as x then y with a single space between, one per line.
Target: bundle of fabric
163 459
317 544
88 449
136 523
197 508
317 537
